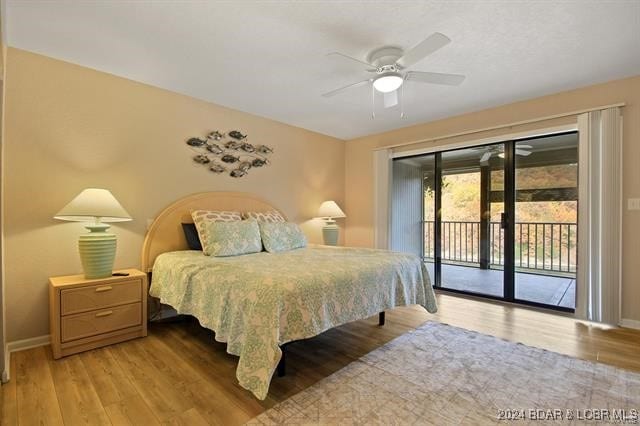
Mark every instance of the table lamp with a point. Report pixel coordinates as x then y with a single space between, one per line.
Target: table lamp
329 211
97 247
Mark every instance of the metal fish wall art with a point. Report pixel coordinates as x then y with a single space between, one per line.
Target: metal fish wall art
196 142
238 173
215 135
229 158
218 149
202 159
259 162
218 168
232 145
263 149
237 135
214 149
244 166
247 147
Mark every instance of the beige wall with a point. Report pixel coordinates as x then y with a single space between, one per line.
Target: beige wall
69 127
359 162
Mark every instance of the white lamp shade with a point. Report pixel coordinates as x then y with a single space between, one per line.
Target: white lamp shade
94 203
330 209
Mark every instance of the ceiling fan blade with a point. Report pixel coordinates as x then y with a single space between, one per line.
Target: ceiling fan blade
342 89
524 146
435 78
370 68
423 49
485 157
390 99
523 152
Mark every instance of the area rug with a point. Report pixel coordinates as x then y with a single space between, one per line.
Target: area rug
440 375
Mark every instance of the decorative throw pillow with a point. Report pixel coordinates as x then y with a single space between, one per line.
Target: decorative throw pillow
281 236
191 235
272 216
232 238
202 217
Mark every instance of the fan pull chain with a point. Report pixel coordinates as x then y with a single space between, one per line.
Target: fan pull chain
373 102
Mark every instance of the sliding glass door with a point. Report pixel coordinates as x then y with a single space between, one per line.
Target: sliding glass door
546 219
471 236
495 220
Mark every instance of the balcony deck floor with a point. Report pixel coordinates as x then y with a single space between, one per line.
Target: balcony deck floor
550 290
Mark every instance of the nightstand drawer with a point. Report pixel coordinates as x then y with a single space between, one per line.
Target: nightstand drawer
89 298
97 322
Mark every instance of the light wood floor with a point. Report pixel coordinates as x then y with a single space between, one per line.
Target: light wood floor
179 375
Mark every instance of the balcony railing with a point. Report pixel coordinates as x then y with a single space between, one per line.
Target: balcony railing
547 246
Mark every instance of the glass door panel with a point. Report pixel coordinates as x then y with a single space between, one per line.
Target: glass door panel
546 217
471 205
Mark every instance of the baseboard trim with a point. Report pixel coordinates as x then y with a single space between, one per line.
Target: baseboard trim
33 342
21 345
7 365
629 323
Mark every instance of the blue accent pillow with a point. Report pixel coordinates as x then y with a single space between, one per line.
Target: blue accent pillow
191 235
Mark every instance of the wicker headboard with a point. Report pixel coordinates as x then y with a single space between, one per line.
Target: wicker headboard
166 234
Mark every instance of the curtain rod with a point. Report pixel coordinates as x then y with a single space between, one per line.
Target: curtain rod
502 126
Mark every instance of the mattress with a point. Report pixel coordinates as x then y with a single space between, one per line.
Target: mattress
254 303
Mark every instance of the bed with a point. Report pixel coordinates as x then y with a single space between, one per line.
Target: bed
256 303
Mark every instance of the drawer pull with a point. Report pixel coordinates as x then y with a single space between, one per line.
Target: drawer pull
103 314
104 288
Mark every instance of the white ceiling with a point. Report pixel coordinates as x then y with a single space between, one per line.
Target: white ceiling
269 57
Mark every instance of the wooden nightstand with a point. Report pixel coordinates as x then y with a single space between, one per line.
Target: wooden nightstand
86 314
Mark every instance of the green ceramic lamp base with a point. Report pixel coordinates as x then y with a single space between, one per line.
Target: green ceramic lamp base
97 251
330 233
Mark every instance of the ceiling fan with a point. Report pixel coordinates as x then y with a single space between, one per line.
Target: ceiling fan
390 64
488 152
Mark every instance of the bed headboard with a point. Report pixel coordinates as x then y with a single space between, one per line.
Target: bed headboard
165 233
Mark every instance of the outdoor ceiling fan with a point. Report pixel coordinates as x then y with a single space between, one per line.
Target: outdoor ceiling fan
498 150
390 64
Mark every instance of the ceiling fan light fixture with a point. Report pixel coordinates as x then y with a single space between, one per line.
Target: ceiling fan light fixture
388 82
501 155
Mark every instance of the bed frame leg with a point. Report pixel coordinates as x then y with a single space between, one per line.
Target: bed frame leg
381 318
282 363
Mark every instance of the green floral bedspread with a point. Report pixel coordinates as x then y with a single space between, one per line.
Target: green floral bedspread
256 302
